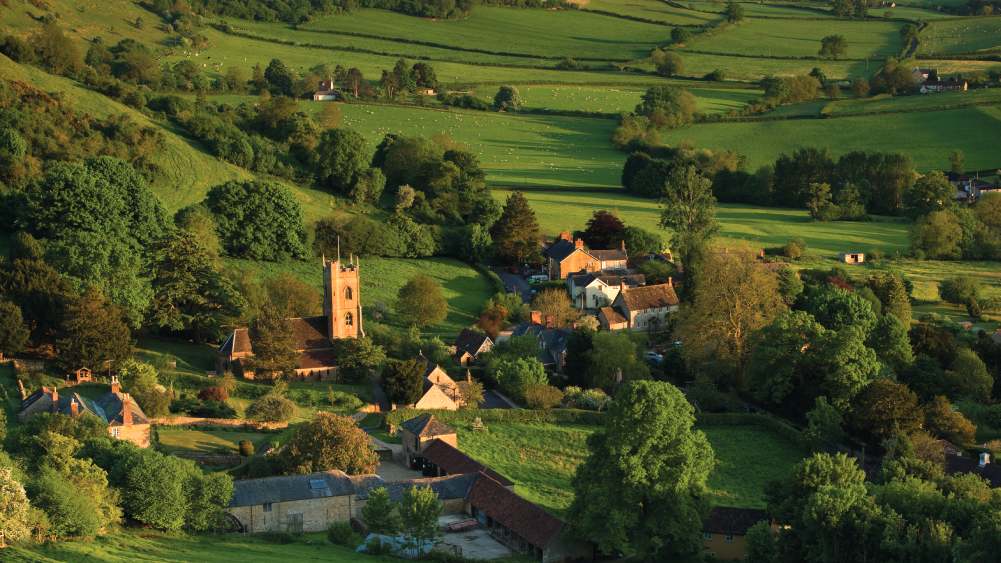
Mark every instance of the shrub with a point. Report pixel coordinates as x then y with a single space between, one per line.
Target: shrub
340 533
246 448
271 408
960 289
214 393
539 396
794 249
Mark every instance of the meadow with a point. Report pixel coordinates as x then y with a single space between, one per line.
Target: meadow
654 10
927 137
961 35
615 100
542 458
174 439
753 69
464 288
801 38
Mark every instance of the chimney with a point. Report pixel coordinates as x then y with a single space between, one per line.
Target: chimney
565 235
126 411
74 407
670 281
622 244
116 388
985 458
55 399
536 317
578 243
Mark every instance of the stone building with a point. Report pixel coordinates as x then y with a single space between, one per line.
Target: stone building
640 308
124 417
469 345
724 531
594 290
314 336
440 391
418 432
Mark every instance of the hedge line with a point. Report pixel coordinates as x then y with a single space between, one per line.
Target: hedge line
770 57
528 416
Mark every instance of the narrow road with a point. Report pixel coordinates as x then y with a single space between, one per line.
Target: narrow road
514 282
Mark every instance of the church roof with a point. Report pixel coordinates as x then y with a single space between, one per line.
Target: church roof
310 332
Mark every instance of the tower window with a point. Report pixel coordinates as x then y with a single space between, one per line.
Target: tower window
348 293
349 319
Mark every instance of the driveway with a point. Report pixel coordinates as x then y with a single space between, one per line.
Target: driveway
514 282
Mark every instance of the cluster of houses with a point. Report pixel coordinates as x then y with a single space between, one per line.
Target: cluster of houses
929 82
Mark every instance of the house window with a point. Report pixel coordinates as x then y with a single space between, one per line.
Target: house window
115 431
349 319
267 507
728 538
347 293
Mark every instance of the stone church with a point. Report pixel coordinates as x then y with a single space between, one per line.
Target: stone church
314 336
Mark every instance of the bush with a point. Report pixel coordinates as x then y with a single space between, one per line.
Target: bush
960 289
246 448
206 409
794 249
540 396
592 399
340 533
214 393
271 408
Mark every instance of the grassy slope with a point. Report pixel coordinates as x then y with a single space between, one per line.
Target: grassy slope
614 100
131 546
557 211
541 459
767 37
649 9
961 35
927 137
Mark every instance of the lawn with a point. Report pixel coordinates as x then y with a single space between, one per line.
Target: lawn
927 137
541 459
762 226
130 546
464 288
737 67
961 35
545 33
801 38
175 439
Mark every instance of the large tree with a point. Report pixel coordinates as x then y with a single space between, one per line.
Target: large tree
419 512
516 233
833 46
640 491
379 513
931 192
734 296
273 342
327 442
13 332
93 332
258 220
341 157
15 518
403 381
885 408
938 235
420 302
689 212
667 106
604 230
613 358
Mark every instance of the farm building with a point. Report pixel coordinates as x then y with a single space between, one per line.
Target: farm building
853 257
594 290
567 256
326 92
724 531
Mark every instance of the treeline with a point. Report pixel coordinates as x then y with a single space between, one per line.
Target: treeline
301 12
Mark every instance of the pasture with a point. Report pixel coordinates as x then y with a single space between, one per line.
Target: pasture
654 10
464 288
961 35
801 38
927 137
764 227
610 99
753 69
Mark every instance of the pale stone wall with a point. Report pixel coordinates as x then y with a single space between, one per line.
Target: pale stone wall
317 514
576 262
641 320
726 550
138 434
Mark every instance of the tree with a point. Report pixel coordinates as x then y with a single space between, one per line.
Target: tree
13 332
379 513
734 12
341 157
198 220
680 35
15 511
778 357
886 408
357 358
507 98
292 296
516 233
833 46
931 192
820 203
960 289
420 302
890 341
271 408
258 220
471 392
327 442
824 425
604 230
733 298
554 303
667 63
937 235
54 50
280 78
957 162
515 374
688 209
837 308
640 242
403 381
93 332
843 364
967 377
612 359
667 106
892 293
942 420
273 342
419 511
640 490
423 75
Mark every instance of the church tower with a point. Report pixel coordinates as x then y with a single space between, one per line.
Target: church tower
342 298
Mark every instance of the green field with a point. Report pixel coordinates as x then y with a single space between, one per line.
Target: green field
145 545
195 440
649 9
917 103
801 38
542 458
754 69
765 227
611 99
961 35
927 137
465 289
545 33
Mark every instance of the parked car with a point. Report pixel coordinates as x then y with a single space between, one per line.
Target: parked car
538 278
653 357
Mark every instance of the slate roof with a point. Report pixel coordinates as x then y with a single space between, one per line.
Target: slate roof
736 521
310 332
962 464
533 524
470 341
613 254
554 345
448 487
560 249
426 425
452 461
112 405
331 483
649 297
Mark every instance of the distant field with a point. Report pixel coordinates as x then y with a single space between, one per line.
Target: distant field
884 102
755 68
763 37
464 288
552 33
649 9
146 545
927 137
769 10
610 99
766 227
961 35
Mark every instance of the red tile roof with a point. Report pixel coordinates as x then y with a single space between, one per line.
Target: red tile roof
452 461
533 524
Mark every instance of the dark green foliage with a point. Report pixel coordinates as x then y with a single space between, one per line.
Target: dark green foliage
613 357
516 233
790 89
341 157
539 396
358 358
838 308
93 332
258 220
403 381
886 408
667 63
640 242
667 106
421 303
507 98
931 192
271 408
379 514
70 514
13 332
341 533
273 342
960 289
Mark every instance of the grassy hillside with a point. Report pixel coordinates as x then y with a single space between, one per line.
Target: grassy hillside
962 35
784 38
649 9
